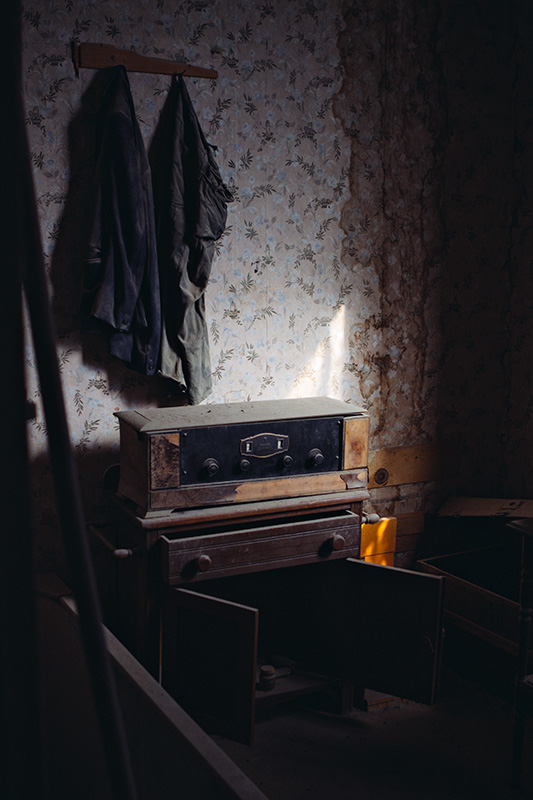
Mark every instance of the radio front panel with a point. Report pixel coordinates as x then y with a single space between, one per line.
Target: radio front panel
260 450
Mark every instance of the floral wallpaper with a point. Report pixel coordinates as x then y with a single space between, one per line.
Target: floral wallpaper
378 246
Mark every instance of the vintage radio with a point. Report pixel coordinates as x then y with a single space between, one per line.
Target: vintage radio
196 456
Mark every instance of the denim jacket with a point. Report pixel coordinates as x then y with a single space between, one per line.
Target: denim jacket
190 209
121 278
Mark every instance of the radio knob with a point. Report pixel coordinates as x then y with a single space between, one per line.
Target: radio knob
316 457
203 563
245 465
210 466
287 460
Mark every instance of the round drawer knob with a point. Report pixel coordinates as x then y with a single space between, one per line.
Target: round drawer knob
123 552
267 678
203 563
337 542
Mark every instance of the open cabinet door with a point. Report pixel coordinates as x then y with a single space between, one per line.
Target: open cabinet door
397 630
373 626
209 651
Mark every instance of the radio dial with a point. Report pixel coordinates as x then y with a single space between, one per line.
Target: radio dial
211 466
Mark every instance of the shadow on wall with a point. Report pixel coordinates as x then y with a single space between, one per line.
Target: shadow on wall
92 467
71 298
79 211
482 185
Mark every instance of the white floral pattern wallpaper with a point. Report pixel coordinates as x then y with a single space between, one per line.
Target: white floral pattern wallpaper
378 248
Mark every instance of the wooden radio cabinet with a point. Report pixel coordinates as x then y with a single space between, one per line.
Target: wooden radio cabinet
210 598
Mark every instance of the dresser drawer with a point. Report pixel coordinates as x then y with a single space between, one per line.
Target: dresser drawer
251 549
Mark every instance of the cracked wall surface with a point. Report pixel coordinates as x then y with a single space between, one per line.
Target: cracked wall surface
436 102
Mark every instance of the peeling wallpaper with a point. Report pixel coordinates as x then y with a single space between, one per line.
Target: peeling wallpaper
379 245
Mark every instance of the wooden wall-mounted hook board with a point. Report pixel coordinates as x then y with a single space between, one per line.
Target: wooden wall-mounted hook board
99 56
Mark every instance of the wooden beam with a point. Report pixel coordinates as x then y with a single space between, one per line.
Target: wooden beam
409 528
98 56
393 466
410 523
486 507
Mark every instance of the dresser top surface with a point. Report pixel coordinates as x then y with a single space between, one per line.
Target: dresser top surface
155 420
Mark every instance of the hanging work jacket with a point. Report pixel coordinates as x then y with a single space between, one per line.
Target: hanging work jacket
190 210
121 279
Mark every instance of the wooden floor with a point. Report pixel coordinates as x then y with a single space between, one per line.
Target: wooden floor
458 749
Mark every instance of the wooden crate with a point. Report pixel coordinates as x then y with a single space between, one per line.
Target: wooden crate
481 612
482 588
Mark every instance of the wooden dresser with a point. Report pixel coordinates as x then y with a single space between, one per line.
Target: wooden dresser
235 577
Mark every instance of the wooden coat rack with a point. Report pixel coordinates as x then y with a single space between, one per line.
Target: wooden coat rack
98 56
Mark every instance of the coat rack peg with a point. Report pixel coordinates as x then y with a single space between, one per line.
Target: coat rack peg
98 56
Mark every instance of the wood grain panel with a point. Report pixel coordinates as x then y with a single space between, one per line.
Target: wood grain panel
409 528
133 480
165 461
486 507
393 466
98 56
248 491
356 442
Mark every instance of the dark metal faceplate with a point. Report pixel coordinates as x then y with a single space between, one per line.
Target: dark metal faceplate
260 450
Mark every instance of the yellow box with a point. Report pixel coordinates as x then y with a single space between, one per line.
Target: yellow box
378 539
384 559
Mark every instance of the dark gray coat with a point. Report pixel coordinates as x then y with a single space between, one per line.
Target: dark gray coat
190 208
121 277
